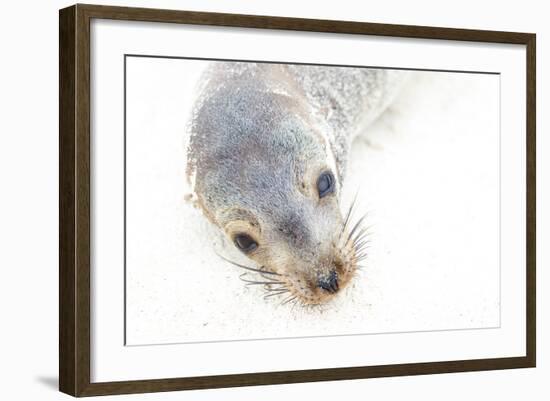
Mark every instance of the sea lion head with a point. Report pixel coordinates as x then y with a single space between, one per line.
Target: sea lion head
264 174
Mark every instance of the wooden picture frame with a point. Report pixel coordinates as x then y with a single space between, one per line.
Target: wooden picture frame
74 199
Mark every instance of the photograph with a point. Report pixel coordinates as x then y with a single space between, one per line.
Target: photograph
268 200
274 200
255 200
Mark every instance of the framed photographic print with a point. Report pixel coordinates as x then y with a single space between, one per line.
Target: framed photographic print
251 200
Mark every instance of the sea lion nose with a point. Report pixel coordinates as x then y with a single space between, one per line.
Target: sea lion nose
330 282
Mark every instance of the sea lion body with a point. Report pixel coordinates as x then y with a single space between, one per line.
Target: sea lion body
267 157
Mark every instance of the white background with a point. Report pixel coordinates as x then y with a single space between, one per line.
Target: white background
29 203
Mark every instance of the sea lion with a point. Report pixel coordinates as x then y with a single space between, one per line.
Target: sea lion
267 158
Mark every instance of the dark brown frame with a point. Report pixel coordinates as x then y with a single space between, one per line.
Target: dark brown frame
74 199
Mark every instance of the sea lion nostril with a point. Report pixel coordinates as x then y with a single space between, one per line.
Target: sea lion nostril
330 282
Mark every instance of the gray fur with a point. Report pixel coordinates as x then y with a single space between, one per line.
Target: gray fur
243 109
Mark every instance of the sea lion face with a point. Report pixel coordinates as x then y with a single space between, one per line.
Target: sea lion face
300 237
265 175
286 216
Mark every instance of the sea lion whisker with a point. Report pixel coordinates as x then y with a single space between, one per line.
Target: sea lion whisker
262 282
360 244
354 229
348 215
356 248
274 294
360 255
253 282
269 289
362 234
361 239
364 246
287 300
272 279
358 240
248 267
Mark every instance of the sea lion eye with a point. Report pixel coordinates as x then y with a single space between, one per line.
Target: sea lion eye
325 184
245 242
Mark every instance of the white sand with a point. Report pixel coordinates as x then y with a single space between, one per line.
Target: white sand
427 173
